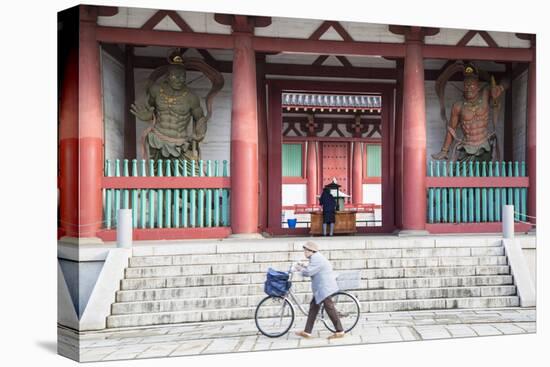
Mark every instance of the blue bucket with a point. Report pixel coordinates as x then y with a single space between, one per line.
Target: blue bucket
292 223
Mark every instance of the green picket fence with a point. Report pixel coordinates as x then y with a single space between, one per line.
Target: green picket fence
167 208
475 204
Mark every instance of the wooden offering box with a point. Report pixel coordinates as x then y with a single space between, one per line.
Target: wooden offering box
345 223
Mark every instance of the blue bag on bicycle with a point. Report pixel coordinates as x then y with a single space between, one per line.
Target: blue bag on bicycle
277 283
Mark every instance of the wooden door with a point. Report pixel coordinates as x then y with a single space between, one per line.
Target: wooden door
335 164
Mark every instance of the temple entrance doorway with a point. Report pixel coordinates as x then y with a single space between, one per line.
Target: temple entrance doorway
334 164
324 132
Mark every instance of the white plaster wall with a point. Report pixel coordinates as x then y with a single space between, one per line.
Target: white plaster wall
370 32
136 17
289 28
436 128
451 36
301 28
112 77
372 194
216 145
294 194
519 116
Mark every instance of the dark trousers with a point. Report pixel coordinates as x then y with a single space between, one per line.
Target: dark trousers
331 312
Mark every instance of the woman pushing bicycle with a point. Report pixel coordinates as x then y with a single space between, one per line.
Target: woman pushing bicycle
323 285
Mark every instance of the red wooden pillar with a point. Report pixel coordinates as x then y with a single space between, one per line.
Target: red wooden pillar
90 124
262 143
399 146
68 147
414 135
532 136
357 174
311 172
81 135
244 138
129 98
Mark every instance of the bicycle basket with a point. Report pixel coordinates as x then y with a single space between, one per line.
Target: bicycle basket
348 279
276 283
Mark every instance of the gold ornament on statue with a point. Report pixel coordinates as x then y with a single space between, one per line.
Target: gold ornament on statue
175 57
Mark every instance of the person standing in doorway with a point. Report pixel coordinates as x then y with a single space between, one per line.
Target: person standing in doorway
323 285
328 203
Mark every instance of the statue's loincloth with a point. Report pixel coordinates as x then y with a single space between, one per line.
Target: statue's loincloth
162 146
168 148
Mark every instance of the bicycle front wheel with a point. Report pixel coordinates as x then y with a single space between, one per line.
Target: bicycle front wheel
347 309
274 316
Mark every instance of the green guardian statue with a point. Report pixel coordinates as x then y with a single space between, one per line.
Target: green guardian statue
471 115
178 122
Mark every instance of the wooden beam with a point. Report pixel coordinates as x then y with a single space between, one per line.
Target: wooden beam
229 19
163 38
151 62
342 31
487 227
107 11
320 30
154 20
345 62
477 53
487 38
330 71
272 44
156 234
466 38
182 24
477 182
172 182
320 60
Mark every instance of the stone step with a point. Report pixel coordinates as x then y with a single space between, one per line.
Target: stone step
468 281
305 286
235 301
251 279
428 266
453 271
159 318
269 257
238 262
236 246
444 303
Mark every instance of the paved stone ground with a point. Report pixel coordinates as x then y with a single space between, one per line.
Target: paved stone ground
242 336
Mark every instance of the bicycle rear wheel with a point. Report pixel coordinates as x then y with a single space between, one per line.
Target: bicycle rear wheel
347 308
274 316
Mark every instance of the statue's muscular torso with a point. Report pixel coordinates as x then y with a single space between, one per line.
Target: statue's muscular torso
474 119
174 109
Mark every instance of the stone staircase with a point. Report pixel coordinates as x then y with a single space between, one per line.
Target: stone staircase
223 280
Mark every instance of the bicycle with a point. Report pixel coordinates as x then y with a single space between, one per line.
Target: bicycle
275 315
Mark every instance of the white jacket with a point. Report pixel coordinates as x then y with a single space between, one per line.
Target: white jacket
323 279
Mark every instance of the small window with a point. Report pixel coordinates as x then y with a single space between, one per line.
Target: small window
292 160
374 160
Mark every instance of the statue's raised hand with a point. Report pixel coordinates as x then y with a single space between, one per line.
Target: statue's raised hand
142 112
443 154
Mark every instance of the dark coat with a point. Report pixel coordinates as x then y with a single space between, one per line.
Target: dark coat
329 207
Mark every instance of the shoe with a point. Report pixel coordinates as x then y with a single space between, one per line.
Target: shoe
337 335
303 334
